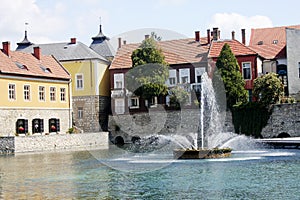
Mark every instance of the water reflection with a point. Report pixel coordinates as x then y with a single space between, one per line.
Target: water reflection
272 174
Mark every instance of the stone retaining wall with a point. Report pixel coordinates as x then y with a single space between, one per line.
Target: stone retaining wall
285 118
55 142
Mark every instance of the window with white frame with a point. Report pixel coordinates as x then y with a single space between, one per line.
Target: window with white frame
11 91
62 94
172 77
184 75
41 93
52 94
79 81
153 102
120 106
118 81
80 113
198 74
134 102
246 70
26 92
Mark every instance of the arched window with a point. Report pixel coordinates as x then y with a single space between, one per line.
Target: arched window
54 125
22 126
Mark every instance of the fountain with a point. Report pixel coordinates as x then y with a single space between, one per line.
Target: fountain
211 129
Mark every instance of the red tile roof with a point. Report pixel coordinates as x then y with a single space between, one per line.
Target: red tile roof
32 65
268 35
237 48
175 51
269 42
270 51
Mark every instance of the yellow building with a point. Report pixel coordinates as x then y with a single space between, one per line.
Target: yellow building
90 79
35 93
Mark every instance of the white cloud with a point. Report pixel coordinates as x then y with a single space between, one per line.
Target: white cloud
44 22
228 22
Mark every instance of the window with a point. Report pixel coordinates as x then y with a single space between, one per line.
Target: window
37 125
246 70
79 81
62 94
41 93
172 77
118 81
134 102
119 84
172 81
184 75
54 125
80 113
52 94
198 79
27 92
119 106
12 92
184 79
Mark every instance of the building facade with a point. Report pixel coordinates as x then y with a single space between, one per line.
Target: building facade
90 80
36 93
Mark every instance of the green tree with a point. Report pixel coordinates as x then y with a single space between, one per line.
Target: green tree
150 71
228 71
268 89
178 97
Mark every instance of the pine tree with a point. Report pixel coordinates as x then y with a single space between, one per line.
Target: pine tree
228 70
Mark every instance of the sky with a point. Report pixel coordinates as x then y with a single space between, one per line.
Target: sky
59 20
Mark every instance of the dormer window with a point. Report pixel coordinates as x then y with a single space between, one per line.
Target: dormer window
275 41
45 69
21 66
260 43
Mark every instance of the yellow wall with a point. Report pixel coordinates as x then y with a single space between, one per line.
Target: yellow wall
34 101
96 77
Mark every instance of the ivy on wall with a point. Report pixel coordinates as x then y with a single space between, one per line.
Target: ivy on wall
250 118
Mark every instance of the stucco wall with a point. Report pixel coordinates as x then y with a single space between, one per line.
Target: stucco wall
55 142
285 118
293 59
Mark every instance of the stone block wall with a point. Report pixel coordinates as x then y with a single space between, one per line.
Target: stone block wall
285 118
7 145
95 113
8 118
157 122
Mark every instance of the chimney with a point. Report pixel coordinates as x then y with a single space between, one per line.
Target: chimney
73 40
219 34
120 42
215 34
233 35
6 48
208 36
124 42
37 52
197 36
244 36
147 36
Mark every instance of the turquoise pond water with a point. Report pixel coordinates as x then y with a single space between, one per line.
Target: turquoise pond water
249 174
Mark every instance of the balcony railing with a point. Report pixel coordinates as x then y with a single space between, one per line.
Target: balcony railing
117 93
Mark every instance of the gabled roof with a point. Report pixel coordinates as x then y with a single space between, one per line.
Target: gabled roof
237 48
179 51
270 51
26 64
102 45
267 36
269 42
66 51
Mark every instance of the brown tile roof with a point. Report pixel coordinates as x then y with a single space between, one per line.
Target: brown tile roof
175 51
31 65
237 48
268 35
269 42
270 51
